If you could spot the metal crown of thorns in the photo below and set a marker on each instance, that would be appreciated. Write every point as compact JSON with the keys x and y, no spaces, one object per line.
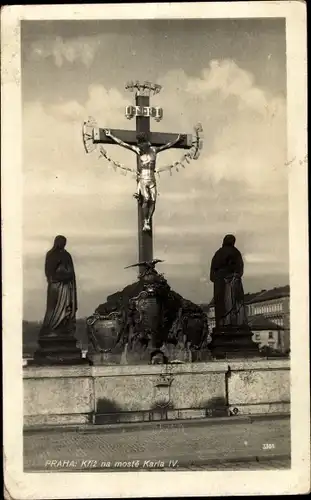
{"x":143,"y":87}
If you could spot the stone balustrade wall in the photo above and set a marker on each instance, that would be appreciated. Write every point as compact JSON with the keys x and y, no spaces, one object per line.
{"x":109,"y":394}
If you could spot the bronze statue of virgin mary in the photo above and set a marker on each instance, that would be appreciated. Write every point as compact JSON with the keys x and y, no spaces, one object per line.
{"x":62,"y":303}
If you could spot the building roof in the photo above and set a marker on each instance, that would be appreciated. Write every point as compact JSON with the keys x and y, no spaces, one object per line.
{"x":259,"y":322}
{"x":273,"y":293}
{"x":248,"y":297}
{"x":262,"y":296}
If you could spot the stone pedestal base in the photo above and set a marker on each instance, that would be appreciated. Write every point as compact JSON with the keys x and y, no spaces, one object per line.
{"x":149,"y":355}
{"x":58,"y":350}
{"x":143,"y":357}
{"x":106,"y":358}
{"x":177,"y":354}
{"x":233,"y":342}
{"x":202,"y":355}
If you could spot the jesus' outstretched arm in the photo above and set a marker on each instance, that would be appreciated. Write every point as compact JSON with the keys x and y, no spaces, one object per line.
{"x":168,"y":145}
{"x":121,"y":143}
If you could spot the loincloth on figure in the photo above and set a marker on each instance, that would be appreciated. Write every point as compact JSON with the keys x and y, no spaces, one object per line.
{"x":147,"y":185}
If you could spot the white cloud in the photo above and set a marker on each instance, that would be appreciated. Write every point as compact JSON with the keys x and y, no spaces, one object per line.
{"x":261,"y":258}
{"x":68,"y":111}
{"x":82,"y":49}
{"x":244,"y":126}
{"x":105,"y":105}
{"x":225,"y":76}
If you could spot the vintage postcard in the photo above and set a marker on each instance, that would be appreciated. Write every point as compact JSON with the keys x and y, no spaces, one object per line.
{"x":155,"y":262}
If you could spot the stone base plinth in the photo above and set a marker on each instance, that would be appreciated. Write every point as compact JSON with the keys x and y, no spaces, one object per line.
{"x":58,"y":350}
{"x":183,"y":355}
{"x":145,"y":356}
{"x":233,"y":342}
{"x":106,"y":358}
{"x":128,"y":357}
{"x":177,"y":354}
{"x":171,"y":354}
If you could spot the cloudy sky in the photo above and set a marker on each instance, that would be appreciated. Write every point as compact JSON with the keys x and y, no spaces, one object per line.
{"x":230,"y":75}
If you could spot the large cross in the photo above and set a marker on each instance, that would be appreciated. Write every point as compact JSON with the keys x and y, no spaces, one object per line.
{"x":142,"y":111}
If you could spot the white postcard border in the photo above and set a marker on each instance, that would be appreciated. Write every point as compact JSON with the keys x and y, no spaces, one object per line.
{"x":143,"y":484}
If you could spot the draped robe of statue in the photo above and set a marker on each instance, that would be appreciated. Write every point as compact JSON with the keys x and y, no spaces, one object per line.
{"x":62,"y":292}
{"x":226,"y":273}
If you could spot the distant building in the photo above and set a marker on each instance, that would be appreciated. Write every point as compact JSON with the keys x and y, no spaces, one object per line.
{"x":266,"y":333}
{"x":270,"y":304}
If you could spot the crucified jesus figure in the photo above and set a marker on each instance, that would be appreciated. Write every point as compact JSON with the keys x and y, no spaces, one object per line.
{"x":146,"y":169}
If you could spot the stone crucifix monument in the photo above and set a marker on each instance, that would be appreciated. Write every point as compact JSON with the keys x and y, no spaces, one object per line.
{"x":150,"y":313}
{"x":146,"y":145}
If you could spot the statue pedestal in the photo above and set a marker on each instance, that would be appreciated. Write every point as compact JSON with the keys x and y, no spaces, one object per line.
{"x":177,"y":353}
{"x":58,"y":350}
{"x":144,"y":356}
{"x":106,"y":358}
{"x":233,"y":342}
{"x":145,"y":318}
